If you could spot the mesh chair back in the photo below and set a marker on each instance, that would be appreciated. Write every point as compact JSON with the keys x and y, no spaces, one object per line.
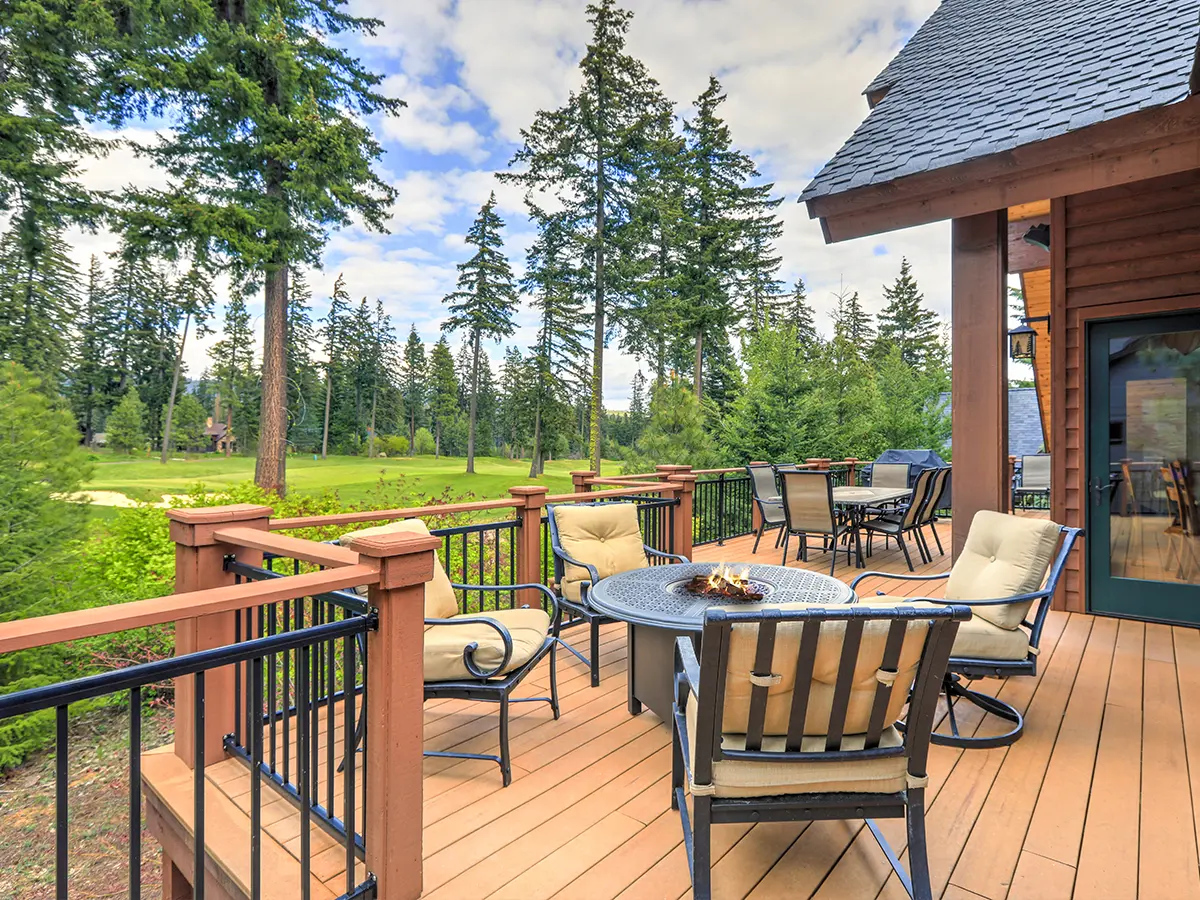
{"x":808,"y":501}
{"x":937,"y":490}
{"x":838,"y":675}
{"x":919,"y":499}
{"x":1035,"y":472}
{"x":763,"y":479}
{"x":889,"y":475}
{"x":1187,"y":502}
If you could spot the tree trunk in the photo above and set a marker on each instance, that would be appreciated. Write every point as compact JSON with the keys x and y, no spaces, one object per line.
{"x":437,"y":441}
{"x":699,"y":364}
{"x":412,"y":432}
{"x":598,"y":335}
{"x":535,"y":464}
{"x":174,"y":387}
{"x":328,"y":401}
{"x":474,"y":404}
{"x":371,"y":434}
{"x":270,"y":465}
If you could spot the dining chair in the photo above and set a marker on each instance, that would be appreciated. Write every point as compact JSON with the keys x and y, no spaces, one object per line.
{"x":808,"y":509}
{"x":790,"y":715}
{"x":905,"y":520}
{"x":1183,"y":535}
{"x":1007,"y":573}
{"x":766,"y":497}
{"x":1035,"y":477}
{"x":929,"y":516}
{"x":890,"y":475}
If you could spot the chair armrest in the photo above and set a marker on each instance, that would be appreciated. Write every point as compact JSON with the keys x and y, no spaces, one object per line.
{"x":561,"y":554}
{"x":854,"y":583}
{"x":549,"y":594}
{"x":1000,"y":601}
{"x":470,"y":648}
{"x":650,"y":551}
{"x":687,"y":667}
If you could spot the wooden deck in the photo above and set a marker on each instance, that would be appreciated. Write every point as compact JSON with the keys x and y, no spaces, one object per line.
{"x":1094,"y":802}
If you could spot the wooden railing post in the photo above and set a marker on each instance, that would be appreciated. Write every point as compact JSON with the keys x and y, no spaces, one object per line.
{"x":851,"y":467}
{"x":528,"y":553}
{"x":683,"y":513}
{"x":580,"y":481}
{"x":199,"y":564}
{"x":668,"y":472}
{"x":394,"y":699}
{"x":820,"y":463}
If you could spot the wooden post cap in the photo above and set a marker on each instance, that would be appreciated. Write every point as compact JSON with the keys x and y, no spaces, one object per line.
{"x":685,"y":480}
{"x":585,"y":473}
{"x":198,"y":527}
{"x":534,"y":495}
{"x":672,"y":467}
{"x":403,"y":558}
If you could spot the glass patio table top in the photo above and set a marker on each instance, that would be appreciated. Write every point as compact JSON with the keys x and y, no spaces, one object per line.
{"x":868,"y":496}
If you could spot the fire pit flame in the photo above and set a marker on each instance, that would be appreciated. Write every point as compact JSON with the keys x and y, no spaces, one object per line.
{"x":724,"y":581}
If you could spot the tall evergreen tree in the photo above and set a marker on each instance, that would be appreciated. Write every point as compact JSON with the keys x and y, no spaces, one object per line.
{"x":38,"y":300}
{"x":587,"y":155}
{"x":443,"y":392}
{"x":795,"y":310}
{"x":853,"y":323}
{"x":266,"y":147}
{"x":91,"y":377}
{"x":414,"y":385}
{"x":333,"y":328}
{"x":484,"y":302}
{"x":193,"y":298}
{"x":906,"y":323}
{"x":232,"y":359}
{"x":302,"y":378}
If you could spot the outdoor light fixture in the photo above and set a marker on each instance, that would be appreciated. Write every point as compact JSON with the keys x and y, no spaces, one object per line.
{"x":1039,"y":236}
{"x":1022,"y":339}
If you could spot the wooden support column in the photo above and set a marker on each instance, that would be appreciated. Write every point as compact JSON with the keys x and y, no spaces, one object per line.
{"x":199,"y":564}
{"x":529,"y":551}
{"x":683,"y":513}
{"x":394,"y":699}
{"x":979,"y":380}
{"x":581,"y":481}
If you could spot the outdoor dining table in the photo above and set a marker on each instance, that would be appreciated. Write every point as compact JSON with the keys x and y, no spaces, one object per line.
{"x":658,"y":608}
{"x":857,"y":500}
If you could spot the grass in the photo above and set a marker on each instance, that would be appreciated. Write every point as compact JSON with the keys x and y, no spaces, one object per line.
{"x":354,"y":478}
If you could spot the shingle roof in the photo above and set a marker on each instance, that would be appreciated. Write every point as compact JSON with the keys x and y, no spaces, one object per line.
{"x":984,"y":76}
{"x":1024,"y":421}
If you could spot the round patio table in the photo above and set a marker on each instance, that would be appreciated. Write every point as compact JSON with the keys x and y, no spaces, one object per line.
{"x":658,"y":608}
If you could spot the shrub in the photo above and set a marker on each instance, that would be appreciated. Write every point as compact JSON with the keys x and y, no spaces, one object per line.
{"x":126,"y":427}
{"x":395,"y":445}
{"x":425,"y":444}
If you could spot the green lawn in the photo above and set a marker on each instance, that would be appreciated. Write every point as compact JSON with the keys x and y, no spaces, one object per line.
{"x":354,"y":478}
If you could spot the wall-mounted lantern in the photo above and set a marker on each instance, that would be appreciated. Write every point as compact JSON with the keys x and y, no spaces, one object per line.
{"x":1022,"y":340}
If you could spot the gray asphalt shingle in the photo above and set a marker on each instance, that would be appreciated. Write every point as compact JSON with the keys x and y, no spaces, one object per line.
{"x":983,"y":76}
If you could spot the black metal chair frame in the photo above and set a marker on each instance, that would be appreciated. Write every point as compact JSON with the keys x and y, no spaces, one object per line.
{"x":885,"y":524}
{"x":582,"y":608}
{"x":762,"y":504}
{"x":840,"y":527}
{"x":960,"y":667}
{"x":705,"y":679}
{"x":937,"y":491}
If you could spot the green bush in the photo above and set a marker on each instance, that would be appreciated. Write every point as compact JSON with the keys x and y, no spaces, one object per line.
{"x":425,"y":444}
{"x":395,"y":445}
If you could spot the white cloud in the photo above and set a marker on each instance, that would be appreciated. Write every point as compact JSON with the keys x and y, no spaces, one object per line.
{"x":432,"y":120}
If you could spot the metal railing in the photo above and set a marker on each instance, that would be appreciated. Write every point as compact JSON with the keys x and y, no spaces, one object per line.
{"x":723,"y":507}
{"x":251,"y":657}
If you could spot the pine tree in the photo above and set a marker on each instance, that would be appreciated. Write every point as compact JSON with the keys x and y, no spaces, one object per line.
{"x":265,"y":148}
{"x":38,"y":299}
{"x":853,"y":323}
{"x":906,"y":323}
{"x":187,"y":423}
{"x":91,"y":377}
{"x":125,"y":429}
{"x":333,"y":327}
{"x":587,"y":156}
{"x":414,"y":385}
{"x":484,"y":302}
{"x":443,"y":392}
{"x":302,"y":378}
{"x":193,"y":297}
{"x":638,"y":411}
{"x":794,"y":309}
{"x":676,"y":431}
{"x":232,"y":368}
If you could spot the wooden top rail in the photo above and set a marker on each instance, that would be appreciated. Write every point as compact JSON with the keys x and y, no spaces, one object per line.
{"x":69,"y":626}
{"x":626,"y":482}
{"x":287,"y":546}
{"x":662,"y":487}
{"x":718,"y":471}
{"x":387,"y":515}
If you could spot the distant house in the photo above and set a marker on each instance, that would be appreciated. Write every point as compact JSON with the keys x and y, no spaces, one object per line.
{"x":221,"y":437}
{"x":1025,"y":436}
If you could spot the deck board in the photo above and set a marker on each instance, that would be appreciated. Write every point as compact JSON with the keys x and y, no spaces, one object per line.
{"x":1095,"y":801}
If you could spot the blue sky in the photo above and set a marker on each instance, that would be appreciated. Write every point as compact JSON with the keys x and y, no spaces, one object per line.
{"x":474,"y":72}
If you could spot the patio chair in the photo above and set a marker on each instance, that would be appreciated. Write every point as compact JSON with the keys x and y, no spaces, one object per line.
{"x":591,"y":541}
{"x":790,"y":715}
{"x":808,"y":509}
{"x":890,"y":475}
{"x":929,"y":516}
{"x":1001,"y":575}
{"x":766,"y":497}
{"x":1035,"y":478}
{"x":905,"y":520}
{"x":1183,"y":532}
{"x":481,"y":656}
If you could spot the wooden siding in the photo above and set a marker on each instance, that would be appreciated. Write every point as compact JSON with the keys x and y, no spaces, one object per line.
{"x":1036,"y":287}
{"x":1128,"y":250}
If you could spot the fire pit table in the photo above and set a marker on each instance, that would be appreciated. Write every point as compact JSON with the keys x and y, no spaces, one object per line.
{"x":659,"y":605}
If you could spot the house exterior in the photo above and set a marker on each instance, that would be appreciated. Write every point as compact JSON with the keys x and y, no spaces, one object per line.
{"x":1025,"y":435}
{"x":1080,"y":115}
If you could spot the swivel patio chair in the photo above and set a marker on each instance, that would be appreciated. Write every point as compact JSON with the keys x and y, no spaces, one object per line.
{"x":1035,"y":480}
{"x":790,"y":715}
{"x":591,"y":541}
{"x":766,"y":497}
{"x":808,"y":509}
{"x":1001,"y":575}
{"x":481,"y":656}
{"x":905,"y":520}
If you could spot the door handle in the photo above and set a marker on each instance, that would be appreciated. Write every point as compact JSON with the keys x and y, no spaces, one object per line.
{"x":1099,"y":486}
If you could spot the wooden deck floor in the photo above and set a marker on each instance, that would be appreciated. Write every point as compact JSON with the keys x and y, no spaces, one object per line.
{"x":1094,"y":802}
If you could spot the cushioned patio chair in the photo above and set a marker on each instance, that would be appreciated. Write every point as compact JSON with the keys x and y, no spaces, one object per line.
{"x":591,"y":541}
{"x":1002,"y":576}
{"x":766,"y":497}
{"x":1035,"y":479}
{"x":808,"y":509}
{"x":907,"y":519}
{"x":485,"y":655}
{"x":790,"y":715}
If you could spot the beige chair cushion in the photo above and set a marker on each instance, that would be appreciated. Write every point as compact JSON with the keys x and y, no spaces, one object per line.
{"x":444,"y":643}
{"x":742,"y":778}
{"x":1003,"y":556}
{"x":440,"y":602}
{"x":742,"y":651}
{"x":608,"y":536}
{"x":979,"y":639}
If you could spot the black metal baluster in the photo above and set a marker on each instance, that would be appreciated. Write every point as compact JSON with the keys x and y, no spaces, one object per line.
{"x":721,"y":509}
{"x":287,"y":698}
{"x":272,"y":627}
{"x":302,"y":764}
{"x":314,"y":711}
{"x":61,"y":774}
{"x":349,"y":677}
{"x":237,"y":678}
{"x":465,"y":599}
{"x":366,"y":658}
{"x":198,"y":786}
{"x":135,"y":793}
{"x":330,"y":682}
{"x":256,"y":764}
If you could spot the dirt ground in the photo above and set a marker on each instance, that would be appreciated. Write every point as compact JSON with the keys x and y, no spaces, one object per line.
{"x":98,"y":798}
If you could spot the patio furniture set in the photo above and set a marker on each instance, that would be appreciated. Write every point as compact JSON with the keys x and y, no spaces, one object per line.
{"x":801,"y":701}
